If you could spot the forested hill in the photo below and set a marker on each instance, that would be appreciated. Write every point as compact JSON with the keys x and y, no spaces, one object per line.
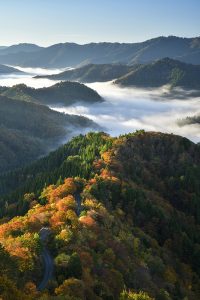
{"x":65,"y":93}
{"x":29,"y":130}
{"x":163,"y":72}
{"x":92,"y":73}
{"x":139,"y":223}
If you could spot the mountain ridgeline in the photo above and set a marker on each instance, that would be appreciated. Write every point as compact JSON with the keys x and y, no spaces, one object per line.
{"x":163,"y":72}
{"x":71,"y":54}
{"x":23,"y":47}
{"x":156,"y":74}
{"x":136,"y":234}
{"x":65,"y":93}
{"x":5,"y":70}
{"x":92,"y":73}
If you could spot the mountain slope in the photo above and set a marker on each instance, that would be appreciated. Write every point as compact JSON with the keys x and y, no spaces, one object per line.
{"x":92,"y":73}
{"x":29,"y":130}
{"x":162,"y":72}
{"x":138,"y":226}
{"x":70,"y":54}
{"x":61,"y":93}
{"x":9,"y":70}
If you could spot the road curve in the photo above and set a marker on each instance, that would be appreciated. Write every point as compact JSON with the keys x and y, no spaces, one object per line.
{"x":47,"y":261}
{"x":46,"y":257}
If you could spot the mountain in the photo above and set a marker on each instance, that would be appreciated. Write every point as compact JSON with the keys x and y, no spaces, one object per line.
{"x":61,"y":93}
{"x":29,"y":130}
{"x":92,"y":73}
{"x":71,"y":54}
{"x":165,"y":71}
{"x":5,"y":70}
{"x":122,"y":214}
{"x":23,"y":47}
{"x":162,"y":72}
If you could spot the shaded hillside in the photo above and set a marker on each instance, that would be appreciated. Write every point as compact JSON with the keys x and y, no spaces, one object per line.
{"x":29,"y":130}
{"x":5,"y":70}
{"x":162,"y":72}
{"x":71,"y":54}
{"x":17,"y":148}
{"x":138,"y":228}
{"x":61,"y":93}
{"x":92,"y":73}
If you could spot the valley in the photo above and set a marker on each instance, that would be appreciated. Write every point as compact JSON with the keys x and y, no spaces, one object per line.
{"x":149,"y":108}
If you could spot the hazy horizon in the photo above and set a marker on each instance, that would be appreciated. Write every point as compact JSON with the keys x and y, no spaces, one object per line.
{"x":99,"y":42}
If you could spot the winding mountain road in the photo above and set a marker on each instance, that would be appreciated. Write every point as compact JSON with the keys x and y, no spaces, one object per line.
{"x":79,"y":208}
{"x":46,"y":257}
{"x":47,"y":260}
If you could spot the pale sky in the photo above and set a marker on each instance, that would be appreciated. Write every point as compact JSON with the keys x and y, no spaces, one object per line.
{"x":47,"y":22}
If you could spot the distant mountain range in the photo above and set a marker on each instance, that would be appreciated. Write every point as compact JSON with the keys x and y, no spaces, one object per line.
{"x":71,"y":54}
{"x":23,"y":47}
{"x":61,"y":93}
{"x":162,"y":72}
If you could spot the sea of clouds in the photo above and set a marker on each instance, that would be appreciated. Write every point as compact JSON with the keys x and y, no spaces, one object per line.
{"x":128,"y":109}
{"x":124,"y":109}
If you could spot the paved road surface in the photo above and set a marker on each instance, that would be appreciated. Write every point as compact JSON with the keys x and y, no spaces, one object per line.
{"x":78,"y":202}
{"x":47,"y":260}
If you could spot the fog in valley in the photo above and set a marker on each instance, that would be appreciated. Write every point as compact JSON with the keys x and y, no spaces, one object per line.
{"x":40,"y":71}
{"x":129,"y":109}
{"x":28,"y":77}
{"x":124,"y":109}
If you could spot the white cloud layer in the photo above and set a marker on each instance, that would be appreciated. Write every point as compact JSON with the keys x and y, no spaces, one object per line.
{"x":128,"y":109}
{"x":124,"y":109}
